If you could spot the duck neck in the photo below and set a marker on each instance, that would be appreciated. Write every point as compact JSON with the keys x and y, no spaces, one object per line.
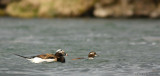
{"x":60,"y":57}
{"x":90,"y":56}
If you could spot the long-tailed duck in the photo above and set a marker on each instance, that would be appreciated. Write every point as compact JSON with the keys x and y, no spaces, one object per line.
{"x":58,"y":56}
{"x":91,"y":55}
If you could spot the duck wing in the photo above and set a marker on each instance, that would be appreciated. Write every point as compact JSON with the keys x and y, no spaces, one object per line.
{"x":46,"y":56}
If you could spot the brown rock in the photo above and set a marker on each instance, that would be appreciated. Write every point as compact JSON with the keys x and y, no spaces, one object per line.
{"x":76,"y":8}
{"x":24,"y":9}
{"x":119,"y":8}
{"x":143,"y":7}
{"x":73,"y":7}
{"x":49,"y":8}
{"x":2,"y":12}
{"x":156,"y":12}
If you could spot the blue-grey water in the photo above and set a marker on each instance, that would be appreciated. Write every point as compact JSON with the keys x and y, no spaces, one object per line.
{"x":126,"y":47}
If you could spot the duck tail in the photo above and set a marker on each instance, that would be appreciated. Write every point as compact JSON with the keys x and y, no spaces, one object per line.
{"x":78,"y":58}
{"x":22,"y":56}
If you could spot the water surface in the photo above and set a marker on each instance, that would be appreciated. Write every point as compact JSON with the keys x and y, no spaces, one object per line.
{"x":126,"y":47}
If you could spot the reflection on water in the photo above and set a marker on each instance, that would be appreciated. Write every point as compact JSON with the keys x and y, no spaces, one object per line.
{"x":126,"y":47}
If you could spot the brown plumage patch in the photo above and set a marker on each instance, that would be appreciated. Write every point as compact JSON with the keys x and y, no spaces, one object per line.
{"x":91,"y":55}
{"x":46,"y":56}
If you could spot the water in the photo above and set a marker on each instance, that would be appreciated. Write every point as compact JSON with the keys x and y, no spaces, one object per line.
{"x":126,"y":47}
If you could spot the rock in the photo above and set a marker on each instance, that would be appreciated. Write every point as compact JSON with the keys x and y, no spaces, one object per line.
{"x":143,"y":7}
{"x":73,"y":7}
{"x":119,"y":8}
{"x":49,"y":8}
{"x":103,"y":11}
{"x":46,"y":9}
{"x":77,"y":8}
{"x":24,"y":8}
{"x":107,"y":2}
{"x":156,"y":12}
{"x":2,"y":12}
{"x":127,"y":8}
{"x":4,"y":2}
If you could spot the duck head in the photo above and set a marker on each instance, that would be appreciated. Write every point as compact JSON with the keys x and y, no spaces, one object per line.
{"x":91,"y":55}
{"x":61,"y":52}
{"x":60,"y":55}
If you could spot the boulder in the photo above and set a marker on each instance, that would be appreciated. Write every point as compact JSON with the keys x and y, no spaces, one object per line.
{"x":127,"y":8}
{"x":2,"y":12}
{"x":143,"y":7}
{"x":156,"y":13}
{"x":77,"y":8}
{"x":49,"y":8}
{"x":24,"y":8}
{"x":116,"y":8}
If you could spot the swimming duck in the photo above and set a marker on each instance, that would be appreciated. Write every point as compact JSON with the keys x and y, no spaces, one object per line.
{"x":58,"y":56}
{"x":91,"y":55}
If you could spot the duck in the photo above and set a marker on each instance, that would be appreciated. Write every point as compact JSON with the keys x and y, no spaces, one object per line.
{"x":57,"y":57}
{"x":91,"y":55}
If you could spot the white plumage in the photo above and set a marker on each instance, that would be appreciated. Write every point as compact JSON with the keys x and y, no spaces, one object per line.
{"x":39,"y":60}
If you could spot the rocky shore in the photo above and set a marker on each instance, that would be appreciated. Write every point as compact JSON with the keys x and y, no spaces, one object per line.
{"x":79,"y":8}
